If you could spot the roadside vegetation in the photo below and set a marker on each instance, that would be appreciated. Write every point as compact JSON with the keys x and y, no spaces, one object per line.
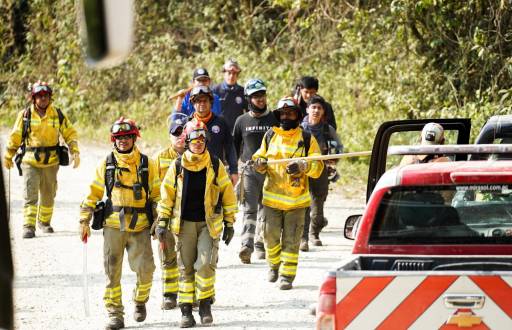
{"x":377,"y":60}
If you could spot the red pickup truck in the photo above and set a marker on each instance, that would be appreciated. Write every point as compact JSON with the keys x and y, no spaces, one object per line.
{"x":433,"y":248}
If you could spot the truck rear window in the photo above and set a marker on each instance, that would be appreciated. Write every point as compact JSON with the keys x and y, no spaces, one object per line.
{"x":458,"y":214}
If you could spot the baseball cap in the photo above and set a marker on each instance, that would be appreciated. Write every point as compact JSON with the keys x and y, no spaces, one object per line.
{"x":432,"y":134}
{"x":177,"y":120}
{"x":231,"y":65}
{"x":200,"y":73}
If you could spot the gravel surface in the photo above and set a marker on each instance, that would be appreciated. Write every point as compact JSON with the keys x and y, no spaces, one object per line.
{"x":48,"y":285}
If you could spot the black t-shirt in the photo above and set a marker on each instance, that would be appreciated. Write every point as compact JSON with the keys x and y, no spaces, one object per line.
{"x":194,"y":184}
{"x":329,"y":113}
{"x":249,"y":132}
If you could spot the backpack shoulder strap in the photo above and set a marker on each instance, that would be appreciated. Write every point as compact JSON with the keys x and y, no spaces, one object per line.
{"x":215,"y":163}
{"x":177,"y":164}
{"x":144,"y":173}
{"x":306,"y":136}
{"x":268,"y":136}
{"x":110,"y":173}
{"x":26,"y":124}
{"x":61,"y":116}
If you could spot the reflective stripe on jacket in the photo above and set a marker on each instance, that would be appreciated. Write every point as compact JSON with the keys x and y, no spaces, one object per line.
{"x":126,"y":174}
{"x":163,"y":160}
{"x":171,"y":193}
{"x":44,"y":132}
{"x":281,"y":190}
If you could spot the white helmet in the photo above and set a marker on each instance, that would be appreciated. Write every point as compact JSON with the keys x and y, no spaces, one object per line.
{"x":432,"y":134}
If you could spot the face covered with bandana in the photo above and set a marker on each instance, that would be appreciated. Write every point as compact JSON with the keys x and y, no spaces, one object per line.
{"x":288,"y":118}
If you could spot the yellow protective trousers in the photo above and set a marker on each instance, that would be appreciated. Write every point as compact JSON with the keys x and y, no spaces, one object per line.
{"x":40,"y":188}
{"x":282,"y":231}
{"x":167,"y":254}
{"x":140,"y":258}
{"x":197,"y":259}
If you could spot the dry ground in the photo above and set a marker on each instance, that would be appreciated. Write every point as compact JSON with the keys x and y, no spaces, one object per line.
{"x":48,"y":285}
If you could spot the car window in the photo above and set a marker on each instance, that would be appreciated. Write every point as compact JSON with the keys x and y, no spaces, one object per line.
{"x":456,"y":214}
{"x":412,"y":138}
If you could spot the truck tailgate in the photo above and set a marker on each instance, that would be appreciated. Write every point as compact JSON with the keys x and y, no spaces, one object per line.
{"x":423,"y":300}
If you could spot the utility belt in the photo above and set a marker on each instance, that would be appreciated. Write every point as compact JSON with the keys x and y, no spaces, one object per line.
{"x":62,"y":153}
{"x":104,"y":209}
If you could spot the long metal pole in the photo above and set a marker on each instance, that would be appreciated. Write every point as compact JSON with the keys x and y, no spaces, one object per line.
{"x":85,"y":283}
{"x":322,"y":157}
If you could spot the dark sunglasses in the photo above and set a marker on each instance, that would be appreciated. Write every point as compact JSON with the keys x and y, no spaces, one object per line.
{"x":178,"y":131}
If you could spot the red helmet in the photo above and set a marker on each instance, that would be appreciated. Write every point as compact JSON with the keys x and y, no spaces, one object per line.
{"x":195,"y":129}
{"x":40,"y":87}
{"x":122,"y":127}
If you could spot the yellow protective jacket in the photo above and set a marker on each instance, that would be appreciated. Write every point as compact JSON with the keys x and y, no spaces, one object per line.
{"x":163,"y":160}
{"x":172,"y":188}
{"x":126,"y":174}
{"x":44,"y":132}
{"x":280,"y":190}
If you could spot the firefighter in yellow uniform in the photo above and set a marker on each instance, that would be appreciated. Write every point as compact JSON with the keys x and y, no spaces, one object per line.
{"x":285,"y":191}
{"x":132,"y":186}
{"x":167,"y":252}
{"x":197,"y":202}
{"x":36,"y":133}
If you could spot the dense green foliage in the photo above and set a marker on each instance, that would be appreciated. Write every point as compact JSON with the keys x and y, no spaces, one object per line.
{"x":376,"y":60}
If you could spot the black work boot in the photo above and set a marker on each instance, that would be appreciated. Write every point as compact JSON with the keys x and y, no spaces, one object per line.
{"x":29,"y":232}
{"x":304,"y":246}
{"x":205,"y":311}
{"x":139,"y":314}
{"x":187,"y":319}
{"x":245,"y":255}
{"x":272,"y":275}
{"x":315,"y":239}
{"x":169,"y":301}
{"x":259,"y":250}
{"x":45,"y":227}
{"x":285,"y":283}
{"x":114,"y":323}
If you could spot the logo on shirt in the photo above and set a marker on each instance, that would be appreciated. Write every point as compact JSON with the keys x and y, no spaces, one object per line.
{"x":238,"y":100}
{"x":215,"y":129}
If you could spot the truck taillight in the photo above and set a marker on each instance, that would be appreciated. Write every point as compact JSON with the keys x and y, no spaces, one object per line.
{"x":326,"y":307}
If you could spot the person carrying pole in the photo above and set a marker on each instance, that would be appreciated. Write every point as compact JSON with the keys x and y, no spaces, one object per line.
{"x":286,"y":190}
{"x":167,"y":253}
{"x":198,"y":205}
{"x":130,"y":181}
{"x":34,"y":145}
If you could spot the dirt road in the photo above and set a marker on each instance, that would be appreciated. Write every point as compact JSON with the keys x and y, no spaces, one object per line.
{"x":48,"y":280}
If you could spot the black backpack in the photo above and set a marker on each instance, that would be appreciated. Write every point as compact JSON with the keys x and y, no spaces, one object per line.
{"x":104,"y":208}
{"x":25,"y":130}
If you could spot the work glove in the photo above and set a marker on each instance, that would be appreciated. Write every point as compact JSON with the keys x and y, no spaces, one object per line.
{"x":76,"y":160}
{"x":296,"y":167}
{"x":260,"y":164}
{"x":228,"y":233}
{"x":85,"y":231}
{"x":161,"y":229}
{"x":8,"y":162}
